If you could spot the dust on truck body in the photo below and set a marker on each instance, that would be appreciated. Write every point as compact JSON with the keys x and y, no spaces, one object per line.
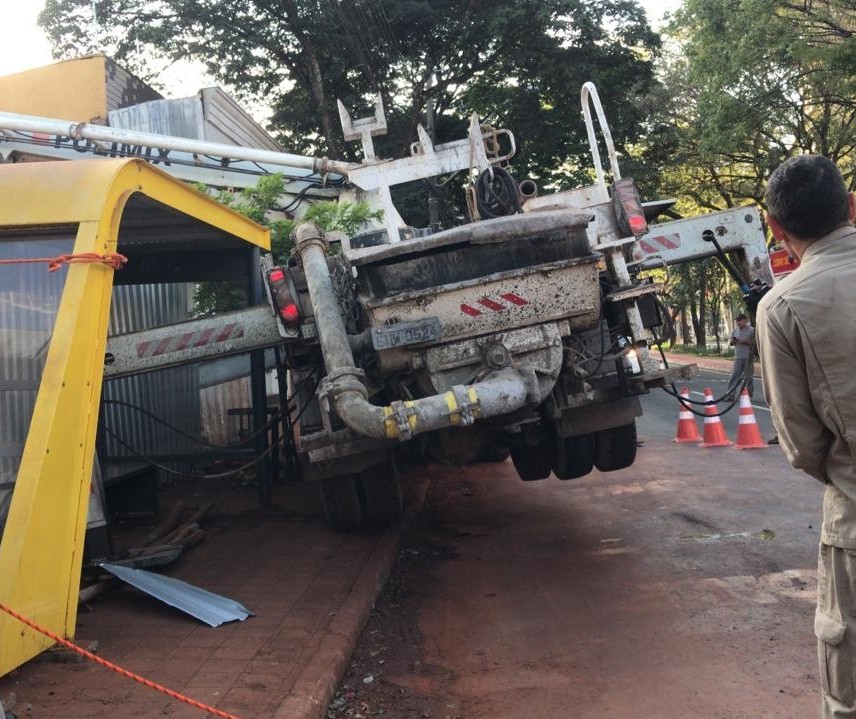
{"x":526,"y":334}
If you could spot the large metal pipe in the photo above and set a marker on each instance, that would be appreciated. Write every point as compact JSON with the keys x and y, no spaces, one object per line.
{"x":102,"y":133}
{"x":500,"y":393}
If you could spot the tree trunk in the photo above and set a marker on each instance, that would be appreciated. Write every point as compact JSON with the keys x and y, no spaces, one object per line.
{"x":698,"y":327}
{"x":685,"y":327}
{"x":316,"y":80}
{"x":715,"y":314}
{"x":701,"y":329}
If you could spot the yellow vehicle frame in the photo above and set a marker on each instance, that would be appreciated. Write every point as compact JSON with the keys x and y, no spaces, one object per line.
{"x":42,"y":545}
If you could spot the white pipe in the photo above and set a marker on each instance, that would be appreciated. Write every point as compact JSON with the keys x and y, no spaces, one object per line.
{"x":588,"y":95}
{"x":102,"y":133}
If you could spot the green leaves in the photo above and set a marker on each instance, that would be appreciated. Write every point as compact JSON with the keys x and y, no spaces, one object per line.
{"x":347,"y":217}
{"x":260,"y":203}
{"x":519,"y":63}
{"x":759,"y":81}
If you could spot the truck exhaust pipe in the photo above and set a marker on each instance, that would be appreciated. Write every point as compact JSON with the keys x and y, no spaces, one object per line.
{"x":500,"y":393}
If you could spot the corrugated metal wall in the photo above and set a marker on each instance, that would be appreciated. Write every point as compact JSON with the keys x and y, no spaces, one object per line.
{"x":172,"y":395}
{"x":178,"y":118}
{"x":210,"y":115}
{"x":226,"y":121}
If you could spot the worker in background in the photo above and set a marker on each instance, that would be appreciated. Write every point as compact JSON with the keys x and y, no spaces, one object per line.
{"x":807,"y":340}
{"x":743,"y":341}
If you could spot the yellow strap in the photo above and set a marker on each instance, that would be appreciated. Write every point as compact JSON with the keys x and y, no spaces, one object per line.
{"x":392,"y":425}
{"x":452,"y":404}
{"x":474,"y":399}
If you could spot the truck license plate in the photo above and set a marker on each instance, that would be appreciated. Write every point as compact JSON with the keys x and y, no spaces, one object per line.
{"x":406,"y":333}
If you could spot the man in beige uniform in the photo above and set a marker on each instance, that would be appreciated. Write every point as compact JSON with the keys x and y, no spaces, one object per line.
{"x":806,"y":334}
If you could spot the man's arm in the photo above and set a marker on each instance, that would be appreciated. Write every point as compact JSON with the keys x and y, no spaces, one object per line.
{"x":802,"y":435}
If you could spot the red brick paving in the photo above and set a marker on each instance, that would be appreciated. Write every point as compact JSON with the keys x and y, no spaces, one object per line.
{"x":281,"y":563}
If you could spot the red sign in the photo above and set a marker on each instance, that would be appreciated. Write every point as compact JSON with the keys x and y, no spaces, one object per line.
{"x":782,"y":263}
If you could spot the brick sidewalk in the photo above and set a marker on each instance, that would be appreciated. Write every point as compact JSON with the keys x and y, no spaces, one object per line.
{"x":310,"y":589}
{"x":718,"y":364}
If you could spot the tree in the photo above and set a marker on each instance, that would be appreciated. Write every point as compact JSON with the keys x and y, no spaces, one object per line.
{"x":519,"y":63}
{"x":746,"y":85}
{"x":699,"y":290}
{"x":756,"y":82}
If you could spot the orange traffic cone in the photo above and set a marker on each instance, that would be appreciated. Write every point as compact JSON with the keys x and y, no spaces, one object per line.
{"x":748,"y":434}
{"x":714,"y":432}
{"x":687,"y":428}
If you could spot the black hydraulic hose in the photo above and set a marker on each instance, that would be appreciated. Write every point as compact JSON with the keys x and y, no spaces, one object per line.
{"x":497,"y":194}
{"x":600,"y":322}
{"x":708,"y":236}
{"x":686,"y":402}
{"x":221,"y":475}
{"x":274,"y":418}
{"x":264,"y":428}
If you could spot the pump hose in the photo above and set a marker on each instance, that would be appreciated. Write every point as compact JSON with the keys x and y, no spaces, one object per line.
{"x":497,"y":195}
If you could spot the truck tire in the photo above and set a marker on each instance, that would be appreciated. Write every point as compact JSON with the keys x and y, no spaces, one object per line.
{"x":531,"y":461}
{"x":341,"y":502}
{"x":380,"y":491}
{"x":572,"y":457}
{"x":615,"y":448}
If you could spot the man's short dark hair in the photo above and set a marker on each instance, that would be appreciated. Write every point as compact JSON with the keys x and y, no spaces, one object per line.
{"x":808,"y":197}
{"x":741,"y":316}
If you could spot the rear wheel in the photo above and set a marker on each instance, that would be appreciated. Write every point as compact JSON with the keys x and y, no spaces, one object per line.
{"x":615,"y":448}
{"x":341,"y":502}
{"x":572,"y":457}
{"x":381,"y":493}
{"x":531,"y":461}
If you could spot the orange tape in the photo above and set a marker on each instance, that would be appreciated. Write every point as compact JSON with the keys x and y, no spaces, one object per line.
{"x":111,"y":259}
{"x":114,"y":667}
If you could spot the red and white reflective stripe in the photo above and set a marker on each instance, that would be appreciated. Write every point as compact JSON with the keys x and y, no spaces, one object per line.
{"x":746,"y":416}
{"x":652,"y":245}
{"x":177,"y":343}
{"x":711,"y":415}
{"x":487,"y":303}
{"x":684,"y":412}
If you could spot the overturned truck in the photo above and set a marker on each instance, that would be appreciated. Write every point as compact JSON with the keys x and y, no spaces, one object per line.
{"x":528,"y":331}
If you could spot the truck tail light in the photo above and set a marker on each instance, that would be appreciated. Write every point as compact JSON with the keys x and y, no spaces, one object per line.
{"x":286,"y":305}
{"x":628,"y":208}
{"x":290,"y":314}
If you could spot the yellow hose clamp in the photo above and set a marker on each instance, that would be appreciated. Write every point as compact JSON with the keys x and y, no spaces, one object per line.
{"x":468,"y":404}
{"x":404,"y":416}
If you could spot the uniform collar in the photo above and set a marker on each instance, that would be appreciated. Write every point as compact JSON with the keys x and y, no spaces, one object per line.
{"x":826,"y":241}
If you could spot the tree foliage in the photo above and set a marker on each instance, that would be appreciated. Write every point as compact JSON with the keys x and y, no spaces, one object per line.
{"x":519,"y":63}
{"x":756,"y":82}
{"x":258,"y":203}
{"x":747,"y":84}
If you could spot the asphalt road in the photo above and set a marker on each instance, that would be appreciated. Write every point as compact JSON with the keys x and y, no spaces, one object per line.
{"x":682,"y":586}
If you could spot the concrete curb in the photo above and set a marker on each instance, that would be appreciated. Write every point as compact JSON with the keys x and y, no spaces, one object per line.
{"x":718,"y":364}
{"x":316,"y":685}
